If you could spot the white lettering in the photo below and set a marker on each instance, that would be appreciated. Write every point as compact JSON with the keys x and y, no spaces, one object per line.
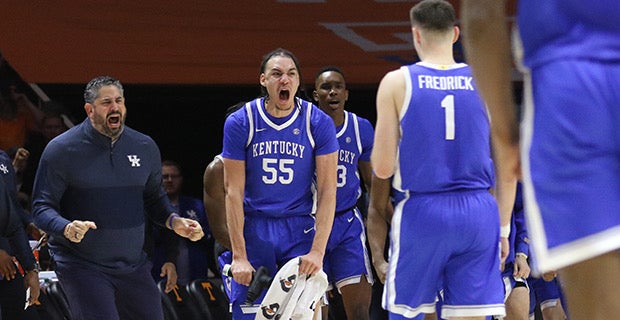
{"x":346,"y":156}
{"x":278,"y":147}
{"x":445,"y":83}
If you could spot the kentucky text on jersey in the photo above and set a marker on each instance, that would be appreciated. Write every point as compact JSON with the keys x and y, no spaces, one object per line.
{"x":346,"y":156}
{"x":445,"y":83}
{"x":279,"y":147}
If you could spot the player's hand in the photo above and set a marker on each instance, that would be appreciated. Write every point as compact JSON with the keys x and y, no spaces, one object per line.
{"x":187,"y":228}
{"x":21,"y":159}
{"x":169,"y":270}
{"x":242,"y":271}
{"x":521,"y":267}
{"x":7,"y":267}
{"x":548,"y":276}
{"x":76,"y":230}
{"x":36,"y":233}
{"x":505,"y":249}
{"x":31,"y":281}
{"x":381,"y":268}
{"x":311,"y":263}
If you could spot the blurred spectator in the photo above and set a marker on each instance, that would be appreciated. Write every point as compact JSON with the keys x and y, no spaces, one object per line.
{"x":19,"y":157}
{"x":18,"y":117}
{"x":53,"y":123}
{"x":194,"y":259}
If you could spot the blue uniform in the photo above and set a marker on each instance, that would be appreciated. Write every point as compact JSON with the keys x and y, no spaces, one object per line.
{"x":518,"y":240}
{"x":279,"y":155}
{"x":84,"y":176}
{"x":546,"y":294}
{"x":192,"y":258}
{"x":570,"y":140}
{"x":13,"y":241}
{"x":346,"y":256}
{"x":18,"y":244}
{"x":445,"y":231}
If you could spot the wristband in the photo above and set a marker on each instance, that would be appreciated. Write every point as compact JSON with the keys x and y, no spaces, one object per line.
{"x":504,"y":231}
{"x":35,"y":267}
{"x":172,"y":216}
{"x":521,"y":254}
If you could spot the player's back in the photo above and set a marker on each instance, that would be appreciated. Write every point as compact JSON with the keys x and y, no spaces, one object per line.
{"x":445,"y":132}
{"x":560,"y":29}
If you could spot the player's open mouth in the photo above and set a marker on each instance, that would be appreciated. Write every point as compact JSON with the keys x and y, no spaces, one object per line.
{"x":284,"y":94}
{"x":334,"y":103}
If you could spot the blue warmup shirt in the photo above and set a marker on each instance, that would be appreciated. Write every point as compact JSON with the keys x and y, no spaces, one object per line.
{"x":8,"y":174}
{"x":13,"y":238}
{"x":84,"y":176}
{"x":17,"y":243}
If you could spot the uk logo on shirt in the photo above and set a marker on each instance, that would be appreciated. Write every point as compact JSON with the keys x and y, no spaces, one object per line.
{"x":191,"y":214}
{"x":134,"y":160}
{"x":4,"y":168}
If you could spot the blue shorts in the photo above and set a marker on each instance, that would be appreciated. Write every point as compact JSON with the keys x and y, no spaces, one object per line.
{"x":446,"y":241}
{"x":346,"y":257}
{"x":271,"y":242}
{"x":225,"y":258}
{"x":510,"y":282}
{"x":545,"y":293}
{"x":571,"y":162}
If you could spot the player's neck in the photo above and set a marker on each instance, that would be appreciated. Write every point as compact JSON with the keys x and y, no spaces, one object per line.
{"x":174,"y":199}
{"x":278,"y":111}
{"x":439,"y":56}
{"x":338,"y":117}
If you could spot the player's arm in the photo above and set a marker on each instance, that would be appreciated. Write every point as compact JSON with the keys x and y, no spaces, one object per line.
{"x":365,"y":170}
{"x":521,"y":245}
{"x":380,"y":213}
{"x":389,"y":101}
{"x":326,"y":172}
{"x":234,"y":182}
{"x":488,"y":52}
{"x":214,"y":198}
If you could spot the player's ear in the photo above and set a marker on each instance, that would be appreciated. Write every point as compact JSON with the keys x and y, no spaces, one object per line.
{"x":89,"y":108}
{"x":457,"y":32}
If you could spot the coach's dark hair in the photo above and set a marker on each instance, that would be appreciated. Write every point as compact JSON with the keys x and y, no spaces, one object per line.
{"x":92,"y":88}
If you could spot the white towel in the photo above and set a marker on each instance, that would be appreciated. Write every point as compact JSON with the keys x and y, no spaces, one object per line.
{"x":291,"y":296}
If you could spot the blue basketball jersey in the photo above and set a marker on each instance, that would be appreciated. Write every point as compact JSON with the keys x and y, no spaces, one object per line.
{"x":279,"y":156}
{"x":576,"y":29}
{"x":445,"y":132}
{"x":355,"y":137}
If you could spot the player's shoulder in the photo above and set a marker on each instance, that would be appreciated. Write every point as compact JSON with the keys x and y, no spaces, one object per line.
{"x":361,"y":120}
{"x":216,"y":164}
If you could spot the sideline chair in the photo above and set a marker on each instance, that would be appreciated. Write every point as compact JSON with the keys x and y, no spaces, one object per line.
{"x":210,"y":298}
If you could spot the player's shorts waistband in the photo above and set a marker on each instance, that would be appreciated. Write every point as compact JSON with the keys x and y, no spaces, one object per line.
{"x":446,"y":193}
{"x":346,"y":210}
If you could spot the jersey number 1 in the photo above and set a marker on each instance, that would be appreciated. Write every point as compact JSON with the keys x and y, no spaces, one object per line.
{"x":448,"y":104}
